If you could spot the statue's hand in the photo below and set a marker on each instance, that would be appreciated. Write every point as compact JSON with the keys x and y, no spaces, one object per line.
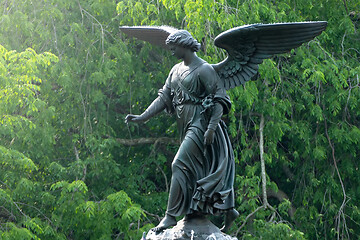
{"x":133,"y":118}
{"x":209,"y":137}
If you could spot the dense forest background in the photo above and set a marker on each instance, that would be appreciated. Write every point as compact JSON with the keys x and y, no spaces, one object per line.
{"x":72,"y":169}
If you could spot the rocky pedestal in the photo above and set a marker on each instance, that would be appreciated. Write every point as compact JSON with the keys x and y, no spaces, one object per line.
{"x":199,"y":228}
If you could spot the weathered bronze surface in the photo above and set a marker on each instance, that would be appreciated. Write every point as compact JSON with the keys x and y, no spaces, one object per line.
{"x":195,"y":91}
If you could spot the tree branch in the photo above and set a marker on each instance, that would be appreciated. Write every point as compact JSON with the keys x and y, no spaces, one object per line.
{"x":247,"y":218}
{"x":153,"y":152}
{"x":343,"y":204}
{"x":281,"y":195}
{"x":141,"y":141}
{"x":346,"y":8}
{"x":265,"y":204}
{"x":263,"y":172}
{"x":288,"y":172}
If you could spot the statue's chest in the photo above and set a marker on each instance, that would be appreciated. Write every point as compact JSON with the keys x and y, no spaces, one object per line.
{"x":186,"y":78}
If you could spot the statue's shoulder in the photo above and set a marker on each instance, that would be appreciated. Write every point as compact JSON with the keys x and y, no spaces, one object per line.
{"x":206,"y":68}
{"x":174,"y":68}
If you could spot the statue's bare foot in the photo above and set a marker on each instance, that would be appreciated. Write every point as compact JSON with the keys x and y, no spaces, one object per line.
{"x":231,"y":215}
{"x":166,"y":222}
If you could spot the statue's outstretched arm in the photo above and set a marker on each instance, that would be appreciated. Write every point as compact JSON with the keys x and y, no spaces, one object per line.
{"x":155,"y":107}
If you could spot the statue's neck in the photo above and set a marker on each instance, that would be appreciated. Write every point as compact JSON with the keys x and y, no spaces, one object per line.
{"x":190,"y":58}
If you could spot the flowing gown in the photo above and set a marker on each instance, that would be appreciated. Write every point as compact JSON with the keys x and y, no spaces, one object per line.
{"x":202,"y":176}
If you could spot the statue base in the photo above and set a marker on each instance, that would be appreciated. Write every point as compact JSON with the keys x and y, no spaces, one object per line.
{"x":198,"y":228}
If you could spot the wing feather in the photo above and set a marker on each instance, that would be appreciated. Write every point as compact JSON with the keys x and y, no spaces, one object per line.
{"x":249,"y":45}
{"x":246,"y":76}
{"x":227,"y":84}
{"x":241,"y":78}
{"x":236,"y":80}
{"x":255,"y":61}
{"x":249,"y":70}
{"x":153,"y":34}
{"x":253,"y":66}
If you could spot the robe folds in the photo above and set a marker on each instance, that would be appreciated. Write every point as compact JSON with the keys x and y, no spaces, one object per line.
{"x":202,"y":175}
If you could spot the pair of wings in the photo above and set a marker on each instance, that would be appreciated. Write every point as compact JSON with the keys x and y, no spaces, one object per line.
{"x":247,"y":46}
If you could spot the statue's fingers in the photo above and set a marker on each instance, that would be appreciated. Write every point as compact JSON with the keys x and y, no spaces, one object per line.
{"x":129,"y":118}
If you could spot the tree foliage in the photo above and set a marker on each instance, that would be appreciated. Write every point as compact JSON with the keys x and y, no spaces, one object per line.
{"x":68,"y":77}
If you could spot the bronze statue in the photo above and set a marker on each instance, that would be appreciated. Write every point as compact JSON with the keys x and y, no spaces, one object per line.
{"x":195,"y":91}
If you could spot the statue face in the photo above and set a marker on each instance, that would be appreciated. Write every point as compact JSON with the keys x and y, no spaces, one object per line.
{"x":177,"y":51}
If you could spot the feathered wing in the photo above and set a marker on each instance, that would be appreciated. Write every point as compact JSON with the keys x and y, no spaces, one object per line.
{"x":153,"y":34}
{"x":247,"y":46}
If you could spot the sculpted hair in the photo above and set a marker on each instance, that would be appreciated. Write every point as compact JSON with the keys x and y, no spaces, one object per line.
{"x":184,"y":39}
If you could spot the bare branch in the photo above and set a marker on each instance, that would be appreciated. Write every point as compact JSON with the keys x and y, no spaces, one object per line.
{"x":341,"y":209}
{"x":82,"y":10}
{"x":281,"y":196}
{"x":247,"y":218}
{"x":346,"y":8}
{"x":153,"y":152}
{"x":141,"y":141}
{"x":265,"y":204}
{"x":37,"y":209}
{"x":263,"y":173}
{"x":288,"y":172}
{"x":152,"y":215}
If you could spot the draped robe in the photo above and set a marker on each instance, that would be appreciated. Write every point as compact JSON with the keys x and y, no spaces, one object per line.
{"x":202,"y":175}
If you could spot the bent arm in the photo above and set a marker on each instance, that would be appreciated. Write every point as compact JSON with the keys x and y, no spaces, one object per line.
{"x":155,"y":107}
{"x":209,"y":79}
{"x":162,"y":102}
{"x":216,"y":114}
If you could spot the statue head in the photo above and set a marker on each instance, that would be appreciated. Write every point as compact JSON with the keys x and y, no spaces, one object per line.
{"x":183,"y":39}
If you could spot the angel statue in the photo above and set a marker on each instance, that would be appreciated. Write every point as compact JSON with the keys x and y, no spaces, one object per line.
{"x":203,"y":169}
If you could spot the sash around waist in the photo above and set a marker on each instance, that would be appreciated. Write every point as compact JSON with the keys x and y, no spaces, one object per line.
{"x":187,"y":102}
